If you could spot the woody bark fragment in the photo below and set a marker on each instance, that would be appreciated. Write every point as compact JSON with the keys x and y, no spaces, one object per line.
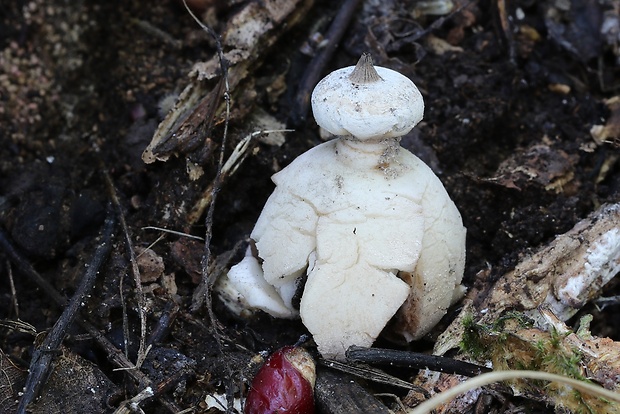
{"x":246,"y":38}
{"x":564,"y":275}
{"x":557,"y":280}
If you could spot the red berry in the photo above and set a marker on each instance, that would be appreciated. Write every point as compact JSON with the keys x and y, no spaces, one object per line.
{"x":284,"y":384}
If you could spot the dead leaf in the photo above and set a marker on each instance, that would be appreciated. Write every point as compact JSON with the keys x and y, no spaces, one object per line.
{"x":576,"y":27}
{"x":610,"y":132}
{"x":151,"y":265}
{"x":539,"y":164}
{"x":75,"y":386}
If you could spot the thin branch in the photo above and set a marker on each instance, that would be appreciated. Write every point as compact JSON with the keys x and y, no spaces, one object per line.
{"x":43,"y":356}
{"x":134,"y":270}
{"x":236,"y":158}
{"x":370,"y":374}
{"x":218,"y":175}
{"x":121,"y":289}
{"x":176,"y":233}
{"x":314,"y":70}
{"x":13,"y":291}
{"x":415,"y":360}
{"x":115,"y":357}
{"x":206,"y":284}
{"x":164,"y":323}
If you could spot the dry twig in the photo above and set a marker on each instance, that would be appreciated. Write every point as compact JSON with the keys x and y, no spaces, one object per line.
{"x":42,"y":357}
{"x":142,"y":350}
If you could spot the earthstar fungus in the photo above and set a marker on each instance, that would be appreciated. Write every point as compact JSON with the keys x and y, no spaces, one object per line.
{"x":366,"y":222}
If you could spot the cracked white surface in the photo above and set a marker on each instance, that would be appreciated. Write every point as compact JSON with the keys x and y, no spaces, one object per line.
{"x":352,"y":227}
{"x":369,"y":224}
{"x":389,"y":107}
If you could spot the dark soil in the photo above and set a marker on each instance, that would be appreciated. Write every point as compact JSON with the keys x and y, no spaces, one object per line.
{"x":83,"y":85}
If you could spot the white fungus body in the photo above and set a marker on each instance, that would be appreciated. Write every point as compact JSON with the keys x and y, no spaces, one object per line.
{"x":337,"y":216}
{"x":367,"y":110}
{"x":371,"y":227}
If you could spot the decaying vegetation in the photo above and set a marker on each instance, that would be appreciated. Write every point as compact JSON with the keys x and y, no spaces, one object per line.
{"x":116,"y":115}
